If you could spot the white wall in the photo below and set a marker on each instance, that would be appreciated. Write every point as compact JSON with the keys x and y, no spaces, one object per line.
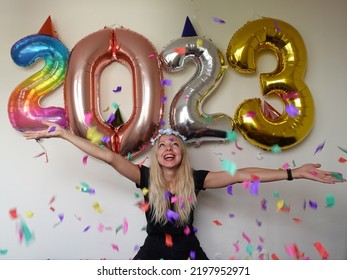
{"x":28,"y":183}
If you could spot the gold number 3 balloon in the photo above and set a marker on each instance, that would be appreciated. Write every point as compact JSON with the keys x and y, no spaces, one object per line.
{"x":285,"y":82}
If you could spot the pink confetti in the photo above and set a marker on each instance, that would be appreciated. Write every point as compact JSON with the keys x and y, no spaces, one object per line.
{"x":237,"y":146}
{"x":251,"y":114}
{"x":152,"y":55}
{"x":115,"y":247}
{"x":187,"y":230}
{"x":85,"y":160}
{"x":246,"y":237}
{"x":236,"y":246}
{"x":101,"y":227}
{"x":88,"y":118}
{"x":125,"y":226}
{"x":290,"y":95}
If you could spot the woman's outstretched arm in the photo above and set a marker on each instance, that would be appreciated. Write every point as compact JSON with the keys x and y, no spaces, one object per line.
{"x":307,"y":171}
{"x":118,"y":162}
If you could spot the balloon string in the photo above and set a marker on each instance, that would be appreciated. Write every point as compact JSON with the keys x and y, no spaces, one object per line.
{"x":44,"y":150}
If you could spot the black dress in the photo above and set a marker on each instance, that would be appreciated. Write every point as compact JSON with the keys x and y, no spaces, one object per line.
{"x":184,"y":243}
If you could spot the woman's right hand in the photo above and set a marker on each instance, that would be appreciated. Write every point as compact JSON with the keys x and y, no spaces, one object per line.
{"x":53,"y":130}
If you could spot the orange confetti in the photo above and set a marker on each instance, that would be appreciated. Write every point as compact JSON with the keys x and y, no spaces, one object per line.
{"x":218,"y":223}
{"x":168,"y":240}
{"x":274,"y":256}
{"x":321,"y":250}
{"x":342,"y":160}
{"x":297,"y":220}
{"x":180,"y":50}
{"x":13,"y":213}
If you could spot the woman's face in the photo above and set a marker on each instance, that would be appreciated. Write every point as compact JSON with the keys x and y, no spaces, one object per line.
{"x":169,"y":151}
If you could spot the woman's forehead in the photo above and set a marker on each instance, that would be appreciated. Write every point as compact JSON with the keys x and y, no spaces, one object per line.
{"x":168,"y":138}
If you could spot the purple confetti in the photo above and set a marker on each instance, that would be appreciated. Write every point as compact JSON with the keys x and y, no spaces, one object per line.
{"x":52,"y":129}
{"x":218,"y":20}
{"x":171,"y":216}
{"x":86,"y":229}
{"x":163,"y":99}
{"x":292,"y":110}
{"x":263,"y":204}
{"x":118,"y":89}
{"x":165,"y":82}
{"x":61,"y":217}
{"x":313,"y":204}
{"x":254,"y":187}
{"x":230,"y":189}
{"x":192,"y":255}
{"x":319,"y":148}
{"x":111,"y":118}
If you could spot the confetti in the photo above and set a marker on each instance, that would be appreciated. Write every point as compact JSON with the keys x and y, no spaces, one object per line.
{"x":29,"y":214}
{"x":274,"y":256}
{"x":337,"y":175}
{"x":52,"y":129}
{"x":152,"y":55}
{"x":237,"y":146}
{"x":218,"y":20}
{"x":118,"y":89}
{"x":171,"y":216}
{"x":192,"y":255}
{"x":250,"y":114}
{"x":246,"y":237}
{"x":297,"y":220}
{"x":217,"y":223}
{"x":230,"y":189}
{"x":165,"y":82}
{"x":142,"y":162}
{"x":321,"y":250}
{"x":119,"y":228}
{"x":115,"y":247}
{"x":86,"y":228}
{"x":13,"y":213}
{"x":3,"y":252}
{"x":329,"y":200}
{"x":312,"y":204}
{"x":125,"y":226}
{"x":254,"y":188}
{"x":319,"y":148}
{"x":229,"y":166}
{"x":290,"y":95}
{"x":276,"y":149}
{"x":263,"y":204}
{"x":231,"y":136}
{"x":249,"y":249}
{"x":342,"y":160}
{"x":163,"y":99}
{"x":85,"y":160}
{"x":168,"y":240}
{"x":87,"y":118}
{"x":61,"y":217}
{"x":186,"y":230}
{"x":180,"y":50}
{"x":25,"y":231}
{"x":97,"y":207}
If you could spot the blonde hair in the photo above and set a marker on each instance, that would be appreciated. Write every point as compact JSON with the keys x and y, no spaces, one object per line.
{"x":184,"y":188}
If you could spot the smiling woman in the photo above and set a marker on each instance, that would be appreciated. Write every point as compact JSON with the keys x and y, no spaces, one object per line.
{"x":170,"y":188}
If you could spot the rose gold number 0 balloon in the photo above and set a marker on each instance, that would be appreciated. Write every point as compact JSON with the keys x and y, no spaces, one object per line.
{"x":87,"y":60}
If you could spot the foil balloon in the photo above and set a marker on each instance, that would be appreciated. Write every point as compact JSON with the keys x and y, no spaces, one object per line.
{"x":286,"y":83}
{"x":24,"y":109}
{"x":87,"y":60}
{"x":186,"y":114}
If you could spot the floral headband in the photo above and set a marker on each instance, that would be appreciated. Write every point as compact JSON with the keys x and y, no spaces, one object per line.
{"x":167,"y":131}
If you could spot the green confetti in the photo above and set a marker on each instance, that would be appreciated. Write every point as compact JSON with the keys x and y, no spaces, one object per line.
{"x":330,"y":200}
{"x":119,"y":228}
{"x":276,"y":194}
{"x":276,"y":149}
{"x":337,"y":175}
{"x":229,"y":166}
{"x":231,"y":136}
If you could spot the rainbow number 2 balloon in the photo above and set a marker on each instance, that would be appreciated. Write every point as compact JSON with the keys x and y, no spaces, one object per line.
{"x":24,"y":110}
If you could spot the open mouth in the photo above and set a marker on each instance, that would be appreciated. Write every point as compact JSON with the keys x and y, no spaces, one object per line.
{"x":169,"y":157}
